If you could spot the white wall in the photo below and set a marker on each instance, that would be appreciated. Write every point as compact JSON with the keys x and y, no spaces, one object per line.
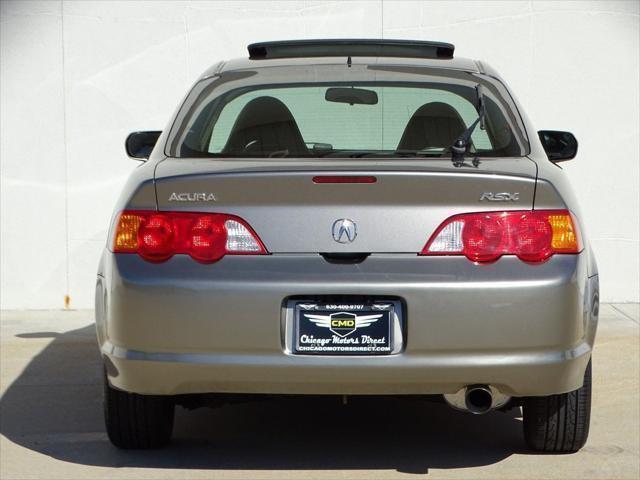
{"x":76,"y":77}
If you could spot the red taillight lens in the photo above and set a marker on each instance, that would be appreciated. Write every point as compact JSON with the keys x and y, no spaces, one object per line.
{"x":206,"y":237}
{"x":532,"y":237}
{"x":484,"y":237}
{"x":156,"y":238}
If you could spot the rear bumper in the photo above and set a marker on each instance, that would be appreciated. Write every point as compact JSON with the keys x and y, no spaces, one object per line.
{"x":515,"y":374}
{"x":182,"y":327}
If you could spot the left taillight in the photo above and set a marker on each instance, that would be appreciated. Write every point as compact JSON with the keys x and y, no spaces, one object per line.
{"x":205,"y":237}
{"x":532,"y":235}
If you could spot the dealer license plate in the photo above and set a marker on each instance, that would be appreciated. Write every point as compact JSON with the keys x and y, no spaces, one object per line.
{"x":343,"y":329}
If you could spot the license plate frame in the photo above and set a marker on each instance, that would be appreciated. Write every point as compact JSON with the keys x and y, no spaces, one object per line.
{"x":375,"y":327}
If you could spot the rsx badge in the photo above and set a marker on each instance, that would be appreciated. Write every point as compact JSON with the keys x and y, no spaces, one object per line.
{"x":500,"y":197}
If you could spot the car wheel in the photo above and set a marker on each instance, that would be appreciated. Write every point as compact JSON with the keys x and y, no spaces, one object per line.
{"x":137,"y":421}
{"x":559,"y":423}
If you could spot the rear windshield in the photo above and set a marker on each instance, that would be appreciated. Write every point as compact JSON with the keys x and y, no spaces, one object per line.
{"x":345,"y":120}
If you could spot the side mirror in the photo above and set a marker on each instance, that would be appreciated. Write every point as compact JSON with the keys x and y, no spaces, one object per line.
{"x":560,"y":146}
{"x":140,"y":144}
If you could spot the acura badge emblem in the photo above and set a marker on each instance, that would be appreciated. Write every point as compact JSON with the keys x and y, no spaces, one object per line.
{"x":344,"y":230}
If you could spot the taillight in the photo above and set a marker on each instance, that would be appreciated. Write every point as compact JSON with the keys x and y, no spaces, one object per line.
{"x":206,"y":237}
{"x":532,"y":235}
{"x":156,"y":237}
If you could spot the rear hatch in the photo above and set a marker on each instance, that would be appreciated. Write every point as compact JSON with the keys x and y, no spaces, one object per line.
{"x":292,"y":214}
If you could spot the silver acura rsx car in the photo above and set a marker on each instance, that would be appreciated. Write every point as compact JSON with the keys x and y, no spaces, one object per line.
{"x":348,"y":217}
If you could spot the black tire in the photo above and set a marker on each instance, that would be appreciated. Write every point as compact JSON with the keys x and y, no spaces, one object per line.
{"x":558,"y":423}
{"x":137,"y":421}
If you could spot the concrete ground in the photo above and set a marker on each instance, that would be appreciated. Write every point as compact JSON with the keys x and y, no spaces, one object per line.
{"x":51,"y":422}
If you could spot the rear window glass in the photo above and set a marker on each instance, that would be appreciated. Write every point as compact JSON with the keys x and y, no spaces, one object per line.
{"x":345,"y":120}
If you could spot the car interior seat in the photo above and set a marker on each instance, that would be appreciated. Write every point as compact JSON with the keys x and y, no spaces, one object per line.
{"x":265,"y":126}
{"x":434,"y":124}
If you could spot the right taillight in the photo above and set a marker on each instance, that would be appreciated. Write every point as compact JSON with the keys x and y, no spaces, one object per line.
{"x":532,"y":235}
{"x":206,"y":237}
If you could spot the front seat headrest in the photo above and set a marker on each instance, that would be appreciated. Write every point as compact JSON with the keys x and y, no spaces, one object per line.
{"x":265,"y":125}
{"x":434,"y":124}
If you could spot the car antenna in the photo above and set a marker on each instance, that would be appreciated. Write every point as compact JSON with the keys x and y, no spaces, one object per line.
{"x":460,"y":146}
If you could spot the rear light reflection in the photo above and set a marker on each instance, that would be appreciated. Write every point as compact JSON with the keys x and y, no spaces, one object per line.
{"x":532,"y":235}
{"x":205,"y":237}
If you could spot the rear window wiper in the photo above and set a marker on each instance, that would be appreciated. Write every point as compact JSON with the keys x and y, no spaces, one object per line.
{"x":419,"y":153}
{"x":461,"y":146}
{"x":396,"y":153}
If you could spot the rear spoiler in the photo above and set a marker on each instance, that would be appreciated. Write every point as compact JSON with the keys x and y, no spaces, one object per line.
{"x":350,"y":48}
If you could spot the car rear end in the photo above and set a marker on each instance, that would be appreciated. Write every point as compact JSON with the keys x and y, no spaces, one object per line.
{"x":271,"y":265}
{"x":233,"y":325}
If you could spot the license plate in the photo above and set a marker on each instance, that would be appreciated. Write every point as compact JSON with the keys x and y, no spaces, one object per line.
{"x":343,"y":329}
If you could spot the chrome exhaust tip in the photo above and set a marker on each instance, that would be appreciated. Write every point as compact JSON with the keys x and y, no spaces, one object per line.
{"x":477,"y":399}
